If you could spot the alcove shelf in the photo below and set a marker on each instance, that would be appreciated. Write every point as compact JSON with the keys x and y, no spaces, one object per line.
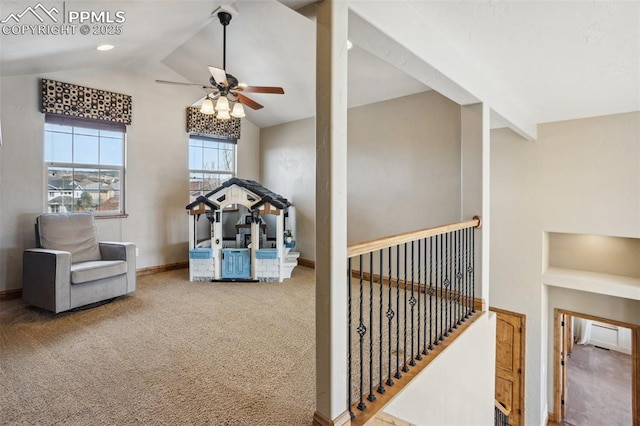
{"x":593,"y":282}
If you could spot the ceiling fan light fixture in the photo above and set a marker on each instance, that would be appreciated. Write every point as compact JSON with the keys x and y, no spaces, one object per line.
{"x":207,"y":107}
{"x":222,"y":104}
{"x":223,"y":115}
{"x":238,"y":111}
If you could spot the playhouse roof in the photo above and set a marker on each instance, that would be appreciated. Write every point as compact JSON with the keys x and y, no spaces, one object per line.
{"x":266,"y":196}
{"x":201,"y":200}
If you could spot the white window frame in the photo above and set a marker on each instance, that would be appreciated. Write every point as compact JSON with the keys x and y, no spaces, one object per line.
{"x":211,"y":139}
{"x":121,"y":170}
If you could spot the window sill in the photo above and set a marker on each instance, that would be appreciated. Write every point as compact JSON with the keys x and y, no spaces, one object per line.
{"x":115,"y":216}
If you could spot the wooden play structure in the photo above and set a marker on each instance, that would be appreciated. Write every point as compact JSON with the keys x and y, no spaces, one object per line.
{"x":249,"y":256}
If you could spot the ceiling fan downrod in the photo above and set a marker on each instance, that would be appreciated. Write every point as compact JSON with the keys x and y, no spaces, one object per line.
{"x":225,"y":18}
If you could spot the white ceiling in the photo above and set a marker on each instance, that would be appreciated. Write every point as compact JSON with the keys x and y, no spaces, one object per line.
{"x":558,"y":60}
{"x":564,"y":59}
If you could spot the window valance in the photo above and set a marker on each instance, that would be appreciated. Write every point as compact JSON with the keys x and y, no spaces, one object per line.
{"x":84,"y":102}
{"x":207,"y":124}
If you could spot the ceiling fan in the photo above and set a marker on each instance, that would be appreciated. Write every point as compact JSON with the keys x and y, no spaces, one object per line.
{"x":225,"y":87}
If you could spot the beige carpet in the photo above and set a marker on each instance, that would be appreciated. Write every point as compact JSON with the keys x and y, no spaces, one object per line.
{"x":174,"y":352}
{"x":598,"y":387}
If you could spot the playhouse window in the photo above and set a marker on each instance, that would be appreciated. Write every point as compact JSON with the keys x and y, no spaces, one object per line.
{"x":212,"y":161}
{"x":85,"y":165}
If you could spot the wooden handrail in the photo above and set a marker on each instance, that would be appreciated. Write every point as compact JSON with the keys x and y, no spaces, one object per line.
{"x":502,"y":408}
{"x":393,"y":240}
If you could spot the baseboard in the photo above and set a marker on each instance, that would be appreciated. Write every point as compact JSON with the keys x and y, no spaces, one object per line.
{"x":11,"y":294}
{"x":306,"y":262}
{"x":343,"y":419}
{"x":161,"y":268}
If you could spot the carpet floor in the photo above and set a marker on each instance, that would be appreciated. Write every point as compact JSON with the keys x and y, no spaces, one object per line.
{"x":598,"y":387}
{"x":174,"y":352}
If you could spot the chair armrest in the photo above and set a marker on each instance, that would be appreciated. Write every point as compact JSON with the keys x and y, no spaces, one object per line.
{"x":111,"y":250}
{"x":46,"y":279}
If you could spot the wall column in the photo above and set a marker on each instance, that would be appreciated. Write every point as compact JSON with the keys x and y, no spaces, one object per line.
{"x":475,"y":133}
{"x":331,"y":213}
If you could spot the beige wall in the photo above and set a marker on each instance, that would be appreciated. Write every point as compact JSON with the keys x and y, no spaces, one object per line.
{"x":156,"y":175}
{"x":288,"y":167}
{"x":580,"y":176}
{"x":404,"y":167}
{"x":595,"y":253}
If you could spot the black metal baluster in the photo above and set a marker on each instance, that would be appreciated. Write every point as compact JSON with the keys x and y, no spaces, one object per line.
{"x":405,"y":368}
{"x":431,"y":291}
{"x":426,"y":289}
{"x":451,"y":282}
{"x":398,"y":375}
{"x":447,"y":284}
{"x":412,"y":302}
{"x":464,"y":279}
{"x":467,"y":272}
{"x":362,"y":330}
{"x":473,"y":270}
{"x":381,"y":282}
{"x":390,"y":315}
{"x":454,"y":278}
{"x":459,"y":308}
{"x":465,"y":261}
{"x":418,"y":354}
{"x":439,"y":279}
{"x":371,"y":396}
{"x":349,"y":392}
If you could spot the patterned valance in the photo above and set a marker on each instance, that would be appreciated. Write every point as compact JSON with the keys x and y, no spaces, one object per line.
{"x":207,"y":124}
{"x":79,"y":101}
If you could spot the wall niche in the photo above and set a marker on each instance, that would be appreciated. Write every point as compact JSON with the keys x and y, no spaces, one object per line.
{"x":594,"y":263}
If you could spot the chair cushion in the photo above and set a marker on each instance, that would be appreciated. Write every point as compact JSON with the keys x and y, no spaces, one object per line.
{"x":72,"y":232}
{"x":96,"y":270}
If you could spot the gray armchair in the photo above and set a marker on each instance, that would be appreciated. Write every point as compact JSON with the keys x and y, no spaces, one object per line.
{"x":71,"y":268}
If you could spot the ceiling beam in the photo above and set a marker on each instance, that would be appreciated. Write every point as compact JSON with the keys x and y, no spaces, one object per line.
{"x":395,"y":33}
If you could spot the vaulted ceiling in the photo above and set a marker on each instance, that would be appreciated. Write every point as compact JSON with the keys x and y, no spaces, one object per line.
{"x":548,"y":61}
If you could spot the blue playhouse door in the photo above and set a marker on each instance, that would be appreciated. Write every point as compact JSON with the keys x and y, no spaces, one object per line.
{"x":236,"y":263}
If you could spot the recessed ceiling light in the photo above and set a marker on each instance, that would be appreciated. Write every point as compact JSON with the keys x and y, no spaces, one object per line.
{"x":104,"y":47}
{"x":349,"y":45}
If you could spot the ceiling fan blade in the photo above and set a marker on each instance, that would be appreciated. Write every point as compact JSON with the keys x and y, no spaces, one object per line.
{"x":248,"y":101}
{"x":219,"y":75}
{"x":262,"y":89}
{"x":203,"y":86}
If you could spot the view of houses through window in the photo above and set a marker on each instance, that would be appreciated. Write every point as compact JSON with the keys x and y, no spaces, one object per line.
{"x":212,"y":161}
{"x":85,"y":165}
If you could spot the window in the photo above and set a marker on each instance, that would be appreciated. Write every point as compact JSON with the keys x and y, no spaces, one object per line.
{"x":85,"y":165}
{"x":212,"y":161}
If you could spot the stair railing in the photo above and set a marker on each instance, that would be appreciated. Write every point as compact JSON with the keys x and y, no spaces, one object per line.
{"x":407,"y":294}
{"x":501,"y":414}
